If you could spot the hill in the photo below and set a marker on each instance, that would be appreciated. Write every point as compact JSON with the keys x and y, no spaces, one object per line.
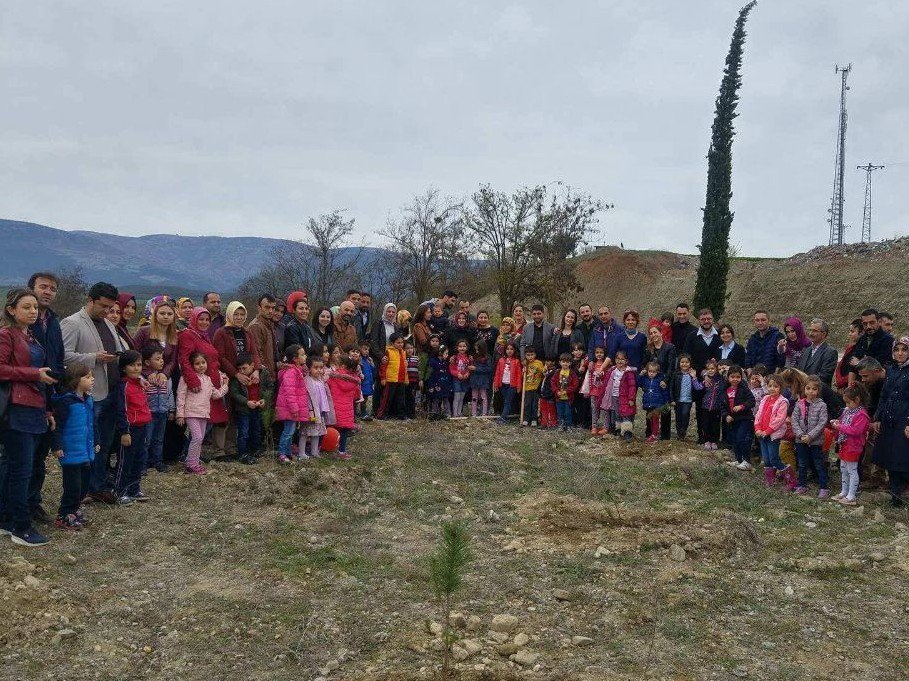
{"x":139,"y":261}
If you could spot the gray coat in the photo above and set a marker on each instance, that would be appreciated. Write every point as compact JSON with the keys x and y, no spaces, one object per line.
{"x":809,"y":418}
{"x":80,"y":343}
{"x":820,"y":363}
{"x":527,"y":338}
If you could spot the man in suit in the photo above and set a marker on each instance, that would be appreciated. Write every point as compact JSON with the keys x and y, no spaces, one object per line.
{"x":92,"y":340}
{"x":819,"y":359}
{"x":363,"y":317}
{"x":537,"y":334}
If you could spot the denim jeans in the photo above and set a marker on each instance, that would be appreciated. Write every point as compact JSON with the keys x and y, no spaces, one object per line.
{"x":811,"y":456}
{"x":508,"y":393}
{"x":770,"y":453}
{"x":740,"y":439}
{"x":39,"y":470}
{"x":249,"y":432}
{"x":105,"y":422}
{"x":344,"y":433}
{"x":682,"y":418}
{"x":15,"y":474}
{"x":154,"y":439}
{"x":287,"y":437}
{"x":131,"y":462}
{"x":563,"y":411}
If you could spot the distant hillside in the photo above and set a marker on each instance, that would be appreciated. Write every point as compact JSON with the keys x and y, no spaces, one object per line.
{"x":191,"y":262}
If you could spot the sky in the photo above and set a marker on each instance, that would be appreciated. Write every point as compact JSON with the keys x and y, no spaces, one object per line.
{"x":238,"y":118}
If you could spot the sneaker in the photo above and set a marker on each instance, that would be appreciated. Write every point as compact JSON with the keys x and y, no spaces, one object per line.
{"x":707,"y":446}
{"x":344,"y":455}
{"x":846,"y":501}
{"x":198,"y":469}
{"x":801,"y":489}
{"x":652,"y":438}
{"x":533,"y":424}
{"x":140,"y":496}
{"x":300,"y":458}
{"x":524,"y":424}
{"x":733,"y":464}
{"x":500,"y":421}
{"x":367,"y":418}
{"x":248,"y":460}
{"x":627,"y":437}
{"x":745,"y":466}
{"x":837,"y":497}
{"x":28,"y":537}
{"x":125,"y":501}
{"x":283,"y":459}
{"x":564,"y":429}
{"x":823,"y":493}
{"x":83,"y":519}
{"x":39,"y":515}
{"x":70,"y":522}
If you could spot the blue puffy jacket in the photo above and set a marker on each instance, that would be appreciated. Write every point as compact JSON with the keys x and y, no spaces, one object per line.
{"x":75,"y":428}
{"x":763,"y":350}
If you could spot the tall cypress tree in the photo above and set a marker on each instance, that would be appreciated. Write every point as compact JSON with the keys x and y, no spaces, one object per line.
{"x":713,"y":269}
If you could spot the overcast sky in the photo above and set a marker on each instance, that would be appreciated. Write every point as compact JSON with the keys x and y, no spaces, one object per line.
{"x":241,"y":118}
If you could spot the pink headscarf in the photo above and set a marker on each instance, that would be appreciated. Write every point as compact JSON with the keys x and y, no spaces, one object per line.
{"x":194,"y":319}
{"x":801,"y":340}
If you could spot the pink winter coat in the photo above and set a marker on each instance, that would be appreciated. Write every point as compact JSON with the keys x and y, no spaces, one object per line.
{"x":345,"y":391}
{"x":777,"y":427}
{"x":293,"y":397}
{"x":192,"y":405}
{"x":628,"y":393}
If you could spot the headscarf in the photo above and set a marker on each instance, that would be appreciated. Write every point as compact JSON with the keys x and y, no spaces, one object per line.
{"x":505,"y":338}
{"x":123,"y":299}
{"x":801,"y":340}
{"x":232,"y":307}
{"x":180,"y":302}
{"x":902,"y":340}
{"x":194,"y":320}
{"x":150,"y":309}
{"x":293,"y":299}
{"x":388,"y":305}
{"x":459,"y":316}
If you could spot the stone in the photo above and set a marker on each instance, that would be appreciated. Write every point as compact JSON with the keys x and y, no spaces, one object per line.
{"x":458,"y":653}
{"x":498,"y":636}
{"x":507,"y":649}
{"x":877,"y":557}
{"x":506,"y":623}
{"x":677,"y":553}
{"x":525,"y":658}
{"x":562,"y":595}
{"x":456,"y":499}
{"x":19,"y":567}
{"x":493,"y":517}
{"x":32,"y":582}
{"x":810,"y":525}
{"x":521,"y":639}
{"x":741,"y":672}
{"x":70,"y":559}
{"x":789,"y":591}
{"x":581,"y":641}
{"x":457,"y":620}
{"x":878,"y":516}
{"x":471,"y":646}
{"x":474,"y":623}
{"x":434,"y":628}
{"x":332,"y":665}
{"x":600,"y":552}
{"x":63,"y":635}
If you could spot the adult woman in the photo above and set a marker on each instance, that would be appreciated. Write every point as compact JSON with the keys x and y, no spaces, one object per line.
{"x":731,"y":350}
{"x":149,"y":309}
{"x":297,"y":330}
{"x":421,"y":329}
{"x":232,"y":339}
{"x":793,"y":345}
{"x":486,"y":332}
{"x":565,"y":335}
{"x":507,"y":334}
{"x":663,"y":353}
{"x":23,"y":365}
{"x":125,"y":303}
{"x":631,"y":341}
{"x":517,"y":316}
{"x":402,"y":322}
{"x":841,"y":376}
{"x":184,"y":312}
{"x":195,"y":339}
{"x":460,"y":331}
{"x":323,"y":326}
{"x":163,"y":332}
{"x":891,"y":423}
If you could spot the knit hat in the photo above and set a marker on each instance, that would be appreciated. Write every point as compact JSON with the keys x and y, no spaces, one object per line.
{"x":294,"y":298}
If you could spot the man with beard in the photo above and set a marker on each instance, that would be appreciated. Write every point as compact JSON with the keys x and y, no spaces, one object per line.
{"x":586,"y":323}
{"x":702,"y":345}
{"x":363,"y":317}
{"x":761,"y":347}
{"x":345,"y":332}
{"x":682,"y":326}
{"x":211,"y":301}
{"x":602,"y":332}
{"x":874,"y":342}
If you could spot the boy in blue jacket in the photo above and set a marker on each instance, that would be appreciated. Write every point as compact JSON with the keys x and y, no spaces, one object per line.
{"x":655,"y":397}
{"x":368,"y":384}
{"x":161,"y":403}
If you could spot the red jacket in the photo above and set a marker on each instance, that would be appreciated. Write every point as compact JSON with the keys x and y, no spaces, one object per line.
{"x":572,"y":387}
{"x":188,"y":342}
{"x":517,"y":373}
{"x":132,"y":405}
{"x":223,"y":342}
{"x":345,"y":391}
{"x":16,"y":367}
{"x":628,"y":394}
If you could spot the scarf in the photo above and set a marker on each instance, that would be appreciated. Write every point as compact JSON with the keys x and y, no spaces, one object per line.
{"x":232,"y":308}
{"x":194,"y":320}
{"x":150,"y":309}
{"x":801,"y":340}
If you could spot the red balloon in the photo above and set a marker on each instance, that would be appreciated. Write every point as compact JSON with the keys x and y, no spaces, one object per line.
{"x":330,"y":440}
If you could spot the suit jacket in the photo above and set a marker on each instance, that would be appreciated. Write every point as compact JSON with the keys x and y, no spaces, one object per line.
{"x":378,"y":339}
{"x":527,"y":338}
{"x":80,"y":343}
{"x":821,"y":362}
{"x":361,"y":327}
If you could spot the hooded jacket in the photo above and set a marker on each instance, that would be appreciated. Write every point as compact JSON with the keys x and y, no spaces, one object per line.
{"x":293,"y":402}
{"x":345,"y":391}
{"x":75,"y":429}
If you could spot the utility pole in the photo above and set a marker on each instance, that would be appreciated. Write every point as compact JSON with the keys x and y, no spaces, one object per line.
{"x":836,"y":202}
{"x":866,"y":213}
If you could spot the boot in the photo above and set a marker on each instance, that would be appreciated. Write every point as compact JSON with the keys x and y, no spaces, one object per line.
{"x":769,"y":475}
{"x":789,"y":478}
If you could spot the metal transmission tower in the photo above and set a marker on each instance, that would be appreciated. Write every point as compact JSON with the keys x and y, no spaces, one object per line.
{"x":866,"y":213}
{"x":836,"y":202}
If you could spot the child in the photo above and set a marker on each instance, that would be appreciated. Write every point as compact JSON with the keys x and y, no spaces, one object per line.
{"x":438,"y":384}
{"x":756,"y":384}
{"x":133,"y":417}
{"x":712,"y":387}
{"x":344,"y":385}
{"x":459,"y":368}
{"x":414,"y":384}
{"x":593,"y":386}
{"x":194,"y":409}
{"x":367,"y":386}
{"x":293,"y":404}
{"x":683,"y":395}
{"x":73,"y":442}
{"x":508,"y":379}
{"x":565,"y":385}
{"x":393,"y":375}
{"x":891,"y":422}
{"x":335,"y":353}
{"x":480,"y":379}
{"x":620,"y":396}
{"x":808,"y":422}
{"x":737,"y":409}
{"x":548,"y":418}
{"x":580,"y":409}
{"x":248,"y":402}
{"x":320,"y":409}
{"x":533,"y":378}
{"x":852,"y":431}
{"x":161,"y":404}
{"x":654,"y":398}
{"x":769,"y":428}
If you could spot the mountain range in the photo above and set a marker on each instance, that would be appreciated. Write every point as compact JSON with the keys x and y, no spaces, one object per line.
{"x":190,"y":262}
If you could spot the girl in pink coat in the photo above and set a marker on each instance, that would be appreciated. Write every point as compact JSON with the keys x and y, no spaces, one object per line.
{"x":620,"y":394}
{"x":194,"y":408}
{"x":344,"y":385}
{"x":769,"y":429}
{"x":292,"y":406}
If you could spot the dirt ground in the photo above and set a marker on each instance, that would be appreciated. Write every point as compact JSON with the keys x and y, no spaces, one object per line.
{"x":615,"y":561}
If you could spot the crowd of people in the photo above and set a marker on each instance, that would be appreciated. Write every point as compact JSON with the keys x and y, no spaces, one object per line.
{"x":101,"y":385}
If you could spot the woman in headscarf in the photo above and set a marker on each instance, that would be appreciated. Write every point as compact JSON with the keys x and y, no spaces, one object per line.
{"x":163,"y":332}
{"x":184,"y":312}
{"x":232,"y":340}
{"x":507,"y":334}
{"x":150,"y":306}
{"x":195,"y":339}
{"x":891,"y":422}
{"x":381,"y":331}
{"x":793,"y":345}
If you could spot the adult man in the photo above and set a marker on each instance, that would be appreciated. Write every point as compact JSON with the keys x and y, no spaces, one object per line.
{"x":603,"y":332}
{"x":587,"y":322}
{"x":353,"y":295}
{"x":538,"y":334}
{"x":345,"y":332}
{"x":874,"y":342}
{"x":871,"y":374}
{"x":886,"y":321}
{"x":704,"y":343}
{"x":447,"y":300}
{"x":297,"y":330}
{"x":464,"y":306}
{"x":819,"y":359}
{"x":761,"y":347}
{"x":211,"y":301}
{"x":363,"y":318}
{"x":262,"y":330}
{"x":47,"y":332}
{"x":682,"y":326}
{"x":90,"y":339}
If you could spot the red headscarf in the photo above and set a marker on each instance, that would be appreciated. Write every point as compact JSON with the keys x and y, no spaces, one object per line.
{"x":295,"y":298}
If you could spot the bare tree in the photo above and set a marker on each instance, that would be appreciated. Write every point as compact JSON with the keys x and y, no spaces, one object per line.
{"x":330,"y":233}
{"x":72,"y":290}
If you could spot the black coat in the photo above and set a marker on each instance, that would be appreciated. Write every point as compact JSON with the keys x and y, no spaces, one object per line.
{"x":296,"y":333}
{"x":700,"y":351}
{"x":743,"y":396}
{"x":665,"y":357}
{"x":878,"y":345}
{"x":891,"y":451}
{"x":454,"y":335}
{"x":737,"y":355}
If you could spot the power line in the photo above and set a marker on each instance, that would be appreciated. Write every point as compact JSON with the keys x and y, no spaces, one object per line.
{"x":866,"y":213}
{"x":838,"y":198}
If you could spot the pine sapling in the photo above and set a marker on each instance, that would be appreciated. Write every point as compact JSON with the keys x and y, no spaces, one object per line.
{"x":446,"y":572}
